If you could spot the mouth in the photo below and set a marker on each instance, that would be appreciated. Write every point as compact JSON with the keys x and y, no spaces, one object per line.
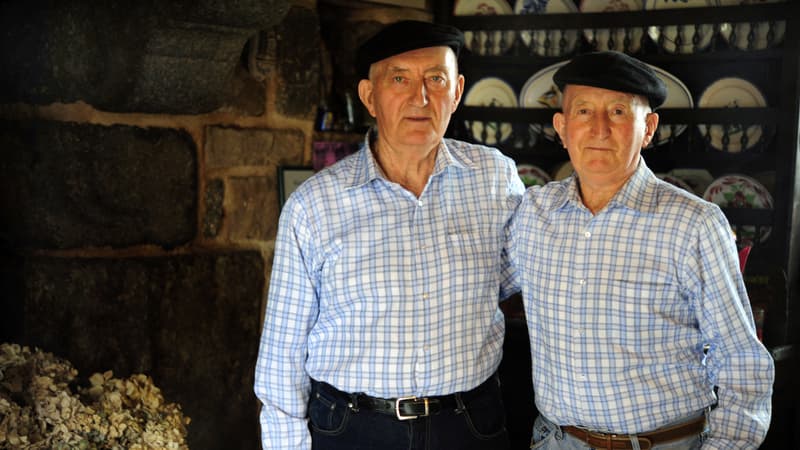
{"x":418,"y":118}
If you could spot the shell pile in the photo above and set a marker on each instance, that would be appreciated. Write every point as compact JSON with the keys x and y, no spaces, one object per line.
{"x":43,"y":406}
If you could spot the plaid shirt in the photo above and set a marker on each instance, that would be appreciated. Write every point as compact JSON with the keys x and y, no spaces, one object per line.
{"x":620,"y":305}
{"x":375,"y":290}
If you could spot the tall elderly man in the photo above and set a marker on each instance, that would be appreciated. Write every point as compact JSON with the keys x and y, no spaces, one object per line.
{"x":383,"y":328}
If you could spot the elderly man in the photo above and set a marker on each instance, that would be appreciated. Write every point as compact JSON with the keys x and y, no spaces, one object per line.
{"x":382,"y":328}
{"x":640,"y":327}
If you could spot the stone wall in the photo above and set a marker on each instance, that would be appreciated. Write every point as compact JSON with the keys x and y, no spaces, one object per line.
{"x":139,"y":146}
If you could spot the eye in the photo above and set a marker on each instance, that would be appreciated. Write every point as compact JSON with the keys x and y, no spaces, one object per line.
{"x":397,"y":79}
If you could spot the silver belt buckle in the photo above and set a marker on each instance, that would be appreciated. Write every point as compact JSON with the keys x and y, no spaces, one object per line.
{"x":401,"y":399}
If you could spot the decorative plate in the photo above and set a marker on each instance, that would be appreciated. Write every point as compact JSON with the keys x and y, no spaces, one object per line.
{"x":614,"y":39}
{"x":680,"y":39}
{"x":740,"y":32}
{"x":698,"y":179}
{"x":490,"y":91}
{"x":532,"y":175}
{"x":485,"y":42}
{"x":548,"y":42}
{"x":741,"y":191}
{"x":540,"y":92}
{"x":675,"y":181}
{"x":563,"y":170}
{"x":731,"y":93}
{"x":678,"y":96}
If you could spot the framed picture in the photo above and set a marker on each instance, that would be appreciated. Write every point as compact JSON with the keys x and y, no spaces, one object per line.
{"x":289,"y":178}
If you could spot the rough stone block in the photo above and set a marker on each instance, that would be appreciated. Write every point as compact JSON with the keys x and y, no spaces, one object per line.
{"x":215,"y":195}
{"x":65,"y":185}
{"x":147,"y":56}
{"x":254,"y":209}
{"x":298,"y":63}
{"x":233,"y":147}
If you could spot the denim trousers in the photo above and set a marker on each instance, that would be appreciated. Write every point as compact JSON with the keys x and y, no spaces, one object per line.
{"x":337,"y":423}
{"x":548,"y":436}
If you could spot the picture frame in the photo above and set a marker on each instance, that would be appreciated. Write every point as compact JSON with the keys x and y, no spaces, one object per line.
{"x":289,"y":178}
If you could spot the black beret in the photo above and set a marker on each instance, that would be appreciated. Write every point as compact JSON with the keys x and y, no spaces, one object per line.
{"x":404,"y":36}
{"x":615,"y":71}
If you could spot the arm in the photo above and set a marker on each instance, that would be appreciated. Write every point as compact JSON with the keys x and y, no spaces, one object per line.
{"x":281,"y":383}
{"x":737,"y":363}
{"x":509,"y":282}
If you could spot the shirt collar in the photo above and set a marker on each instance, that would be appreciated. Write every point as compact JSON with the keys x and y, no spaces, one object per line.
{"x":638,"y":193}
{"x":367,"y":169}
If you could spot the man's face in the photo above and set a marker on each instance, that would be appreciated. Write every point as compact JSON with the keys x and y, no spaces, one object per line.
{"x":604,"y":131}
{"x":412,"y":96}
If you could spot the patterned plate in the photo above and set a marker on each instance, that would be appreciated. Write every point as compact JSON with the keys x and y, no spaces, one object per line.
{"x":548,"y":42}
{"x":680,"y":39}
{"x":698,"y":179}
{"x":490,"y":91}
{"x":563,"y":170}
{"x":678,"y":96}
{"x":741,"y":191}
{"x":731,"y":93}
{"x":540,"y":92}
{"x":485,"y":42}
{"x":532,"y":175}
{"x":675,"y":181}
{"x":739,"y":33}
{"x":614,"y":39}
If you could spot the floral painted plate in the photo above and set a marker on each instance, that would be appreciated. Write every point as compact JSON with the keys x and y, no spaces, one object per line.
{"x":731,"y":92}
{"x":681,"y":39}
{"x":532,"y":175}
{"x":490,"y":91}
{"x":483,"y":42}
{"x":741,"y":191}
{"x":548,"y":42}
{"x":614,"y":39}
{"x":539,"y":91}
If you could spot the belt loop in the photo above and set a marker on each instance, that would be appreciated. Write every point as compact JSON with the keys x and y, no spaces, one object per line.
{"x":353,"y":403}
{"x":460,"y":406}
{"x":635,"y":442}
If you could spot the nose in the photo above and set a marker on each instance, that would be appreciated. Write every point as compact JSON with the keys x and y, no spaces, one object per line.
{"x":419,"y":94}
{"x":600,"y":127}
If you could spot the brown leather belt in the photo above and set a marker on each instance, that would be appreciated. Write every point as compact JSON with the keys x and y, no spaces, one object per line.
{"x":646,"y":440}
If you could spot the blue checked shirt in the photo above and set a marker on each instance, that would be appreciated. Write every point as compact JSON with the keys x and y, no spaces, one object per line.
{"x":374,"y":290}
{"x":620,"y":305}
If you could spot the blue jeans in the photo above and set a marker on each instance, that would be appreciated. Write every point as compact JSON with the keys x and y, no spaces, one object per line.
{"x":548,"y":436}
{"x":337,"y":423}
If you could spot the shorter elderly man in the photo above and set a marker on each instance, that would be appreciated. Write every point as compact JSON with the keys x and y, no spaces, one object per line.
{"x":640,"y":327}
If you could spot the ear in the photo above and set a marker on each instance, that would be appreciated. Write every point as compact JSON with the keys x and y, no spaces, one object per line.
{"x":559,"y":124}
{"x":459,"y":91}
{"x":365,"y":94}
{"x":651,"y":124}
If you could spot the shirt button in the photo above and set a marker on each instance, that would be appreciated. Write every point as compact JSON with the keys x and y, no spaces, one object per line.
{"x":587,"y":234}
{"x":424,"y":296}
{"x":581,"y":281}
